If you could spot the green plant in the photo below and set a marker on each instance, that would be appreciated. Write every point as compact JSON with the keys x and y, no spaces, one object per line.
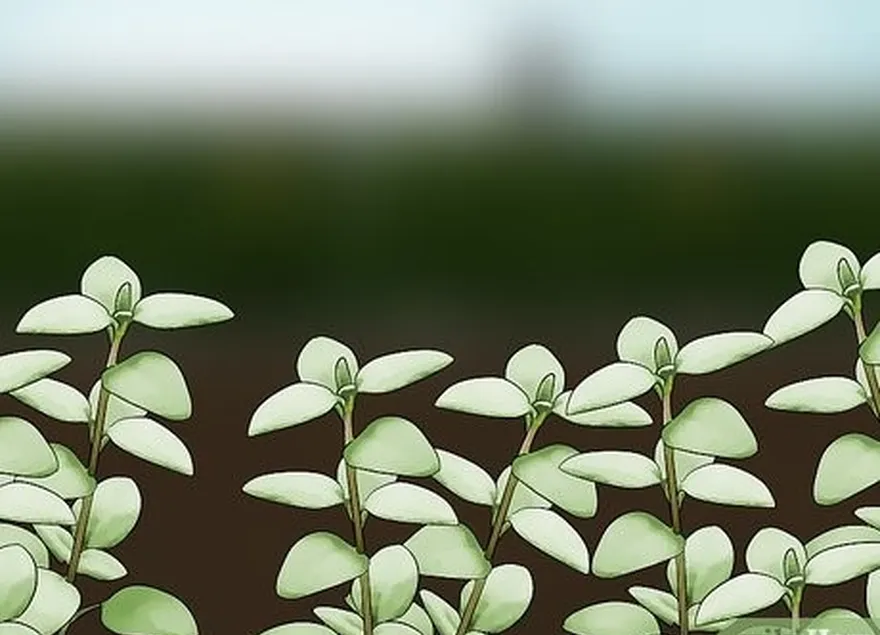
{"x":66,"y":493}
{"x":683,"y":465}
{"x":385,"y":583}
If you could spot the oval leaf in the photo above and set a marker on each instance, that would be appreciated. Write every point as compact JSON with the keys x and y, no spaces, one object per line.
{"x":685,"y":462}
{"x":393,"y":445}
{"x":394,"y":577}
{"x":843,"y":563}
{"x":57,"y":539}
{"x":448,"y":552}
{"x":179,"y":310}
{"x":298,"y":489}
{"x":528,"y":367}
{"x":26,"y":503}
{"x":53,"y":604}
{"x":838,"y":621}
{"x":613,"y":384}
{"x":66,"y":315}
{"x":818,"y":265}
{"x":116,"y":508}
{"x":822,"y":395}
{"x":612,"y":618}
{"x":342,"y":622}
{"x":152,"y":381}
{"x":660,"y":603}
{"x":727,"y":485}
{"x":766,"y":552}
{"x":713,"y":427}
{"x":18,"y":582}
{"x":540,"y":471}
{"x":103,"y":278}
{"x":367,"y":482}
{"x":622,"y":415}
{"x":739,"y":596}
{"x":548,"y":531}
{"x":317,"y":360}
{"x":714,"y":352}
{"x":523,"y":496}
{"x":709,"y":557}
{"x":153,"y":442}
{"x":805,"y":311}
{"x":137,"y":610}
{"x":638,"y":338}
{"x":486,"y":396}
{"x":634,"y":541}
{"x":14,"y":535}
{"x":317,"y":562}
{"x":23,"y":449}
{"x":394,"y":371}
{"x":55,"y":399}
{"x":101,"y":565}
{"x":25,"y":367}
{"x":849,"y":465}
{"x":291,"y":406}
{"x":71,"y":480}
{"x":444,"y":617}
{"x":299,"y":628}
{"x":505,"y":598}
{"x":610,"y":467}
{"x":408,"y":503}
{"x":465,"y":479}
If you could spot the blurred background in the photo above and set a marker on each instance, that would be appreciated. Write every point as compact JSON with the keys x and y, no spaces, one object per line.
{"x":460,"y":175}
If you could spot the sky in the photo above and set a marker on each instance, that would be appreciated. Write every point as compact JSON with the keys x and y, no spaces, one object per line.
{"x":624,"y":53}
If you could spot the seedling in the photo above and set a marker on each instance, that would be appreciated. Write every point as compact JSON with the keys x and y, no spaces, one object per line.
{"x":119,"y":410}
{"x":533,"y":388}
{"x":683,"y":463}
{"x":366,"y":484}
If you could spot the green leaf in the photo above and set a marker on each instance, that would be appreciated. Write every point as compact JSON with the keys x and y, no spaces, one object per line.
{"x":505,"y":599}
{"x":685,"y":462}
{"x":549,"y":532}
{"x":317,"y":361}
{"x":612,"y":618}
{"x":367,"y":482}
{"x":23,"y":449}
{"x":394,"y":628}
{"x":116,"y":508}
{"x":727,"y":485}
{"x":299,"y":489}
{"x":444,"y":617}
{"x":486,"y":396}
{"x":869,"y":515}
{"x":840,"y":564}
{"x":622,"y":415}
{"x":57,"y":539}
{"x":766,"y":552}
{"x":528,"y":367}
{"x":393,"y":445}
{"x":872,"y":595}
{"x":26,"y":503}
{"x":870,"y":275}
{"x":818,"y":265}
{"x":408,"y":503}
{"x":73,"y":314}
{"x":71,"y":480}
{"x":805,"y":311}
{"x":317,"y":562}
{"x":849,"y":465}
{"x":638,"y":339}
{"x":610,"y":467}
{"x":417,"y":618}
{"x":53,"y":604}
{"x":394,"y":577}
{"x":15,"y":535}
{"x":14,"y":628}
{"x":540,"y":471}
{"x":611,"y":385}
{"x":55,"y":399}
{"x":662,"y":604}
{"x":152,"y":442}
{"x":117,"y":409}
{"x":634,"y":541}
{"x":443,"y":551}
{"x":711,"y":426}
{"x":840,"y":536}
{"x":299,"y":628}
{"x":465,"y":479}
{"x":714,"y":352}
{"x":179,"y":310}
{"x":342,"y":622}
{"x":742,"y":595}
{"x":524,"y":497}
{"x":291,"y":406}
{"x":869,"y":351}
{"x":394,"y":371}
{"x":708,"y":554}
{"x":18,"y":581}
{"x":152,"y":381}
{"x":819,"y":395}
{"x":102,"y":280}
{"x":101,"y":565}
{"x":25,"y":367}
{"x":838,"y":621}
{"x":137,"y":610}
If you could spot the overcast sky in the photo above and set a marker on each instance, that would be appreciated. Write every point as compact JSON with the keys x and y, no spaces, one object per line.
{"x":351,"y":51}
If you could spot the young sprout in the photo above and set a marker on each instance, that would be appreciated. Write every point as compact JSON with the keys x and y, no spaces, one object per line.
{"x":533,"y":388}
{"x":707,"y":428}
{"x":384,"y":584}
{"x":120,"y":410}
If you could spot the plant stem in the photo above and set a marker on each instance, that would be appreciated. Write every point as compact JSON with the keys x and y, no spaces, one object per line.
{"x":470,"y":608}
{"x":870,"y":372}
{"x":357,"y":519}
{"x":82,"y":523}
{"x":675,"y":513}
{"x":76,"y":616}
{"x":796,"y":599}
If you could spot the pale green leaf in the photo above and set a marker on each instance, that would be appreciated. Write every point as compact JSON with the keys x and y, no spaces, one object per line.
{"x":394,"y":628}
{"x":869,"y":351}
{"x":317,"y":361}
{"x":661,"y":604}
{"x":486,"y":396}
{"x":465,"y":479}
{"x":818,"y":265}
{"x":417,"y":618}
{"x":27,"y":503}
{"x":524,"y":497}
{"x":612,"y":618}
{"x":713,"y":427}
{"x":53,"y":604}
{"x":316,"y":562}
{"x":740,"y":596}
{"x":819,"y":395}
{"x":685,"y":462}
{"x":505,"y":599}
{"x":394,"y":577}
{"x":444,"y":616}
{"x":549,"y":532}
{"x":766,"y":552}
{"x":838,"y":620}
{"x":872,"y":595}
{"x":308,"y":490}
{"x":179,"y":310}
{"x":152,"y":381}
{"x":138,"y":610}
{"x":103,"y":279}
{"x":152,"y":442}
{"x":291,"y":406}
{"x":540,"y":471}
{"x":101,"y":565}
{"x":18,"y":581}
{"x":613,"y":384}
{"x":611,"y":467}
{"x":448,"y":552}
{"x":73,"y":314}
{"x":23,"y":449}
{"x":722,"y":350}
{"x":342,"y":622}
{"x":622,"y":415}
{"x":870,"y":515}
{"x":528,"y":367}
{"x":397,"y":370}
{"x":805,"y":311}
{"x":25,"y":367}
{"x":870,"y":275}
{"x":638,"y":338}
{"x":634,"y":541}
{"x":14,"y":628}
{"x":409,"y":503}
{"x":840,"y":536}
{"x":15,"y":535}
{"x":393,"y":445}
{"x":709,"y":555}
{"x":849,"y":465}
{"x":367,"y":482}
{"x":71,"y":480}
{"x":299,"y":628}
{"x":727,"y":485}
{"x":117,"y":409}
{"x":116,"y":508}
{"x":58,"y":540}
{"x":55,"y":399}
{"x":840,"y":564}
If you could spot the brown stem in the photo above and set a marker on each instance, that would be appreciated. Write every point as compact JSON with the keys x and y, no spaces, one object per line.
{"x":357,"y":519}
{"x":675,"y":513}
{"x":870,"y":371}
{"x":470,"y":608}
{"x":82,"y":523}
